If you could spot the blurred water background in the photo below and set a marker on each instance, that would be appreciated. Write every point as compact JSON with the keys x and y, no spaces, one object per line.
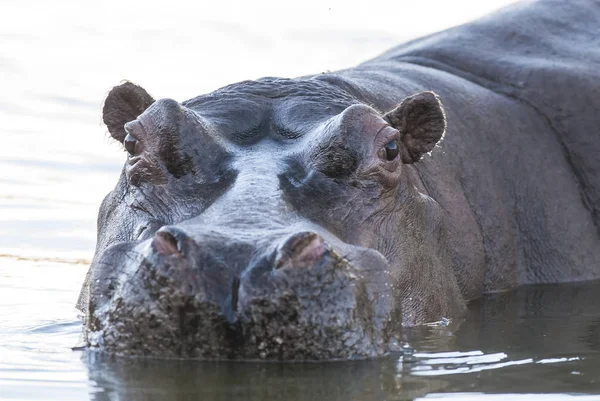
{"x":58,"y":60}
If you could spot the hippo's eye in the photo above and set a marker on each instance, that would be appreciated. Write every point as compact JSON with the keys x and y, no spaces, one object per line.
{"x":130,"y":143}
{"x":390,"y":151}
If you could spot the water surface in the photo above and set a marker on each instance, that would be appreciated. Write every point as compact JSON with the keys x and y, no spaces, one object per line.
{"x":542,"y":340}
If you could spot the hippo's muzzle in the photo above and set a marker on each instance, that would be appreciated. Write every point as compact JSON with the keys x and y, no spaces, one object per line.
{"x":212,"y":297}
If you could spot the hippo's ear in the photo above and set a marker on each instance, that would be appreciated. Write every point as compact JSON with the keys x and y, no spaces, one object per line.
{"x":421,"y":121}
{"x":124,"y":103}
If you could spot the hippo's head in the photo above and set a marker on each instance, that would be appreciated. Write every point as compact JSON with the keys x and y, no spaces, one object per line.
{"x":275,"y":219}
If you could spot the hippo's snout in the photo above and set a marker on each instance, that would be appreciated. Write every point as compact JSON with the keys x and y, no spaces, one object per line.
{"x":214,"y":297}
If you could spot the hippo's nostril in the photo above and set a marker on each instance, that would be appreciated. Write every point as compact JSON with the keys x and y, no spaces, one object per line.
{"x":166,"y":244}
{"x":300,"y":250}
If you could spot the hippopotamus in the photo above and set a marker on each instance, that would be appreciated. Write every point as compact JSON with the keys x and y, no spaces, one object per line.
{"x":319,"y":217}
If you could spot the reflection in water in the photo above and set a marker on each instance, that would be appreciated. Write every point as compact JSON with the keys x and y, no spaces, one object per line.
{"x":538,"y":339}
{"x":248,"y":381}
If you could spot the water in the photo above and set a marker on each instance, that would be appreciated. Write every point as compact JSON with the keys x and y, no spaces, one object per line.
{"x":57,"y":62}
{"x":540,"y":339}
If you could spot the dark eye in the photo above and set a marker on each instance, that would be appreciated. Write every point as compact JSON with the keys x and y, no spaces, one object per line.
{"x":130,"y":143}
{"x":390,"y":151}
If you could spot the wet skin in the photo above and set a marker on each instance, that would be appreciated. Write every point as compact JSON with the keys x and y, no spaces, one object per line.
{"x":303,"y":219}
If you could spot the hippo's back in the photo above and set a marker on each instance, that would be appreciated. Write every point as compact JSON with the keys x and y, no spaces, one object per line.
{"x":545,"y":54}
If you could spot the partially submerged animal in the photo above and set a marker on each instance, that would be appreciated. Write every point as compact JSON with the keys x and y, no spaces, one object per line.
{"x":302,"y":218}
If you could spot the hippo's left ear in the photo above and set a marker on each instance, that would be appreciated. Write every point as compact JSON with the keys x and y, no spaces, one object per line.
{"x":123,"y":104}
{"x":421,"y":121}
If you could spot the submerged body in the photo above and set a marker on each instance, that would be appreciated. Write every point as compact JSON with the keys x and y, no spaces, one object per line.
{"x":302,"y":219}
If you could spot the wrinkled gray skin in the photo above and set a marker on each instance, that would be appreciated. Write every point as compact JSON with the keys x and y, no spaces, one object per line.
{"x":268,"y":220}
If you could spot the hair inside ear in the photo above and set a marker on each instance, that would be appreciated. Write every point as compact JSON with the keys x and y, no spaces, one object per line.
{"x":422,"y":123}
{"x":124,"y":103}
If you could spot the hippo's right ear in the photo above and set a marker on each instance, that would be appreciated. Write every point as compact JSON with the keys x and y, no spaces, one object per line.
{"x":124,"y":103}
{"x":421,"y":121}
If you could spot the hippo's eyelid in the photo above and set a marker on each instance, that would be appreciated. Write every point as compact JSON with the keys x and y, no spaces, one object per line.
{"x":136,"y":129}
{"x":382,"y":128}
{"x":386,"y":134}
